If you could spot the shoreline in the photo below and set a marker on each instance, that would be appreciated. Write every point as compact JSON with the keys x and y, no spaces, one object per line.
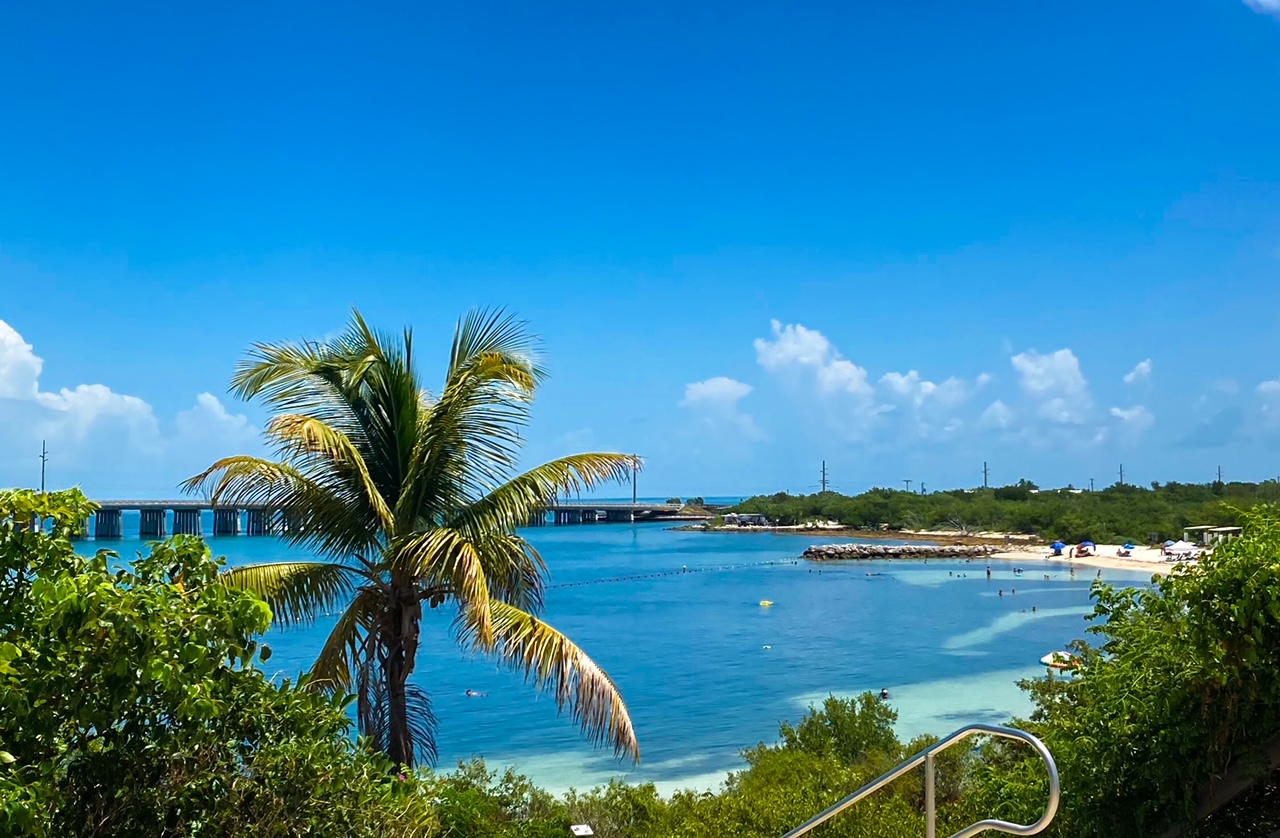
{"x":1143,"y":558}
{"x":926,"y":536}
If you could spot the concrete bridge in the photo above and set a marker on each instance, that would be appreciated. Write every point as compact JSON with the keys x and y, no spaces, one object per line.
{"x":186,"y":517}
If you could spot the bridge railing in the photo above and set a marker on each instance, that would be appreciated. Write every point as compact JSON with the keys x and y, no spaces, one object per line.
{"x":926,"y":758}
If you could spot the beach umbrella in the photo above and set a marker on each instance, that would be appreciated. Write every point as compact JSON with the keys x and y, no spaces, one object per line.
{"x":1087,"y":544}
{"x":1057,"y":545}
{"x":1169,"y":543}
{"x":1128,"y":546}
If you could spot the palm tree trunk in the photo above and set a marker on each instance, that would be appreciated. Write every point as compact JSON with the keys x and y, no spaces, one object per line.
{"x":401,"y":652}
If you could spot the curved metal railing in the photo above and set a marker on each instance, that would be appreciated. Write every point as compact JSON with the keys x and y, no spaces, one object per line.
{"x":925,"y":757}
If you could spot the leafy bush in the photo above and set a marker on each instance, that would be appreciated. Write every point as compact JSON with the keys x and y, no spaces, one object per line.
{"x":130,"y":703}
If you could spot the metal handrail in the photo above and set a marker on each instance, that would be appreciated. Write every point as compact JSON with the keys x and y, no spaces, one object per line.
{"x":930,"y":805}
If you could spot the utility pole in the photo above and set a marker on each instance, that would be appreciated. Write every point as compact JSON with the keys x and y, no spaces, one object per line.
{"x":1090,"y":484}
{"x":1219,"y":474}
{"x":985,"y":474}
{"x":1122,"y":474}
{"x":824,"y":476}
{"x":922,"y":487}
{"x":44,"y":460}
{"x":908,"y":484}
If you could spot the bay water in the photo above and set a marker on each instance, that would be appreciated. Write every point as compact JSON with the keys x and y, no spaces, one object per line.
{"x":676,"y":619}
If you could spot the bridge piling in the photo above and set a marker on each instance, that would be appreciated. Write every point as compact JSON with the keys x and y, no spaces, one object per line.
{"x":186,"y":522}
{"x":151,"y":523}
{"x":226,"y":522}
{"x":106,"y":523}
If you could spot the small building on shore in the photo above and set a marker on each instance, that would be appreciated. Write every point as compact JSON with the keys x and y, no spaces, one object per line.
{"x":745,"y":519}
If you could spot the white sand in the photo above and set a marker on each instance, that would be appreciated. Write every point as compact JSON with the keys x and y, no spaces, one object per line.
{"x":1104,"y":555}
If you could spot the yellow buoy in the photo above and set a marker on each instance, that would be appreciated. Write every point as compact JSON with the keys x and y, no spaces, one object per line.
{"x":765,"y":603}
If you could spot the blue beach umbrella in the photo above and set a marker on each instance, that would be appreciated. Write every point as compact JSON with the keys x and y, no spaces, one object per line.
{"x":1087,"y":544}
{"x":1057,"y":545}
{"x":1128,"y":546}
{"x":1169,"y":543}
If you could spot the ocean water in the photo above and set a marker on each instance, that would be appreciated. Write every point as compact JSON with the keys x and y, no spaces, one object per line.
{"x":705,"y":669}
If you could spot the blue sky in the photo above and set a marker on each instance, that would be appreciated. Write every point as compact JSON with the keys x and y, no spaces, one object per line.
{"x":906,"y":238}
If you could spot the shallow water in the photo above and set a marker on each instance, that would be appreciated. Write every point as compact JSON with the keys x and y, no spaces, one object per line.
{"x":706,"y":670}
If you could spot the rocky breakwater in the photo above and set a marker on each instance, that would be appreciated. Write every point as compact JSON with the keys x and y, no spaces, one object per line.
{"x":834,"y":552}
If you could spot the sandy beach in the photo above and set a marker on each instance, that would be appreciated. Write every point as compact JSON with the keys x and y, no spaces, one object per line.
{"x":1142,"y":558}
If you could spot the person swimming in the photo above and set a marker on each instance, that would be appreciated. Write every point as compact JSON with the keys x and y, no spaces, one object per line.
{"x":884,"y":694}
{"x":475,"y":694}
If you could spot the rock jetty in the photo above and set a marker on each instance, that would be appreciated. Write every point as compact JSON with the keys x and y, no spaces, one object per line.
{"x":833,"y":552}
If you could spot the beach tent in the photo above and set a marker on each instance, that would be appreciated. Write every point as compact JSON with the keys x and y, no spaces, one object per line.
{"x":1182,"y":547}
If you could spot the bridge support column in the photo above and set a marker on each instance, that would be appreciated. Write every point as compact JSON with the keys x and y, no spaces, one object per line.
{"x":226,"y":522}
{"x":106,"y":523}
{"x":186,"y":522}
{"x":538,"y":519}
{"x":151,"y":524}
{"x":259,"y":522}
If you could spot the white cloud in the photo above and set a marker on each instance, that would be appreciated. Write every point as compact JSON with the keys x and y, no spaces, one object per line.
{"x":796,"y":348}
{"x":1136,"y":419}
{"x":720,"y":389}
{"x":997,"y":415}
{"x":1055,"y":383}
{"x":715,"y":402}
{"x":19,"y":366}
{"x":1266,"y":7}
{"x":104,"y":437}
{"x":1141,"y":372}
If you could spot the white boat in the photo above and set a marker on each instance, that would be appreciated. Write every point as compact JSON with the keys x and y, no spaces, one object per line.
{"x":1060,"y":661}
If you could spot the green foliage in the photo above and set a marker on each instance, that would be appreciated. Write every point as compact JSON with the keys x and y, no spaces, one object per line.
{"x":1117,"y":513}
{"x":675,"y":501}
{"x":130,"y":703}
{"x":1184,"y":683}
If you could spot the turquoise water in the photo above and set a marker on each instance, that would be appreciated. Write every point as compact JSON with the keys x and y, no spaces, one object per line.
{"x":706,"y":671}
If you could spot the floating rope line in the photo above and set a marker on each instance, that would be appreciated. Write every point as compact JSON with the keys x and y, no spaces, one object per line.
{"x":684,"y":571}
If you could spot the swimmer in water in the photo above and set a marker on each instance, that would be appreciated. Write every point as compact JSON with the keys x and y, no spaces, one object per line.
{"x":884,"y":694}
{"x":475,"y":694}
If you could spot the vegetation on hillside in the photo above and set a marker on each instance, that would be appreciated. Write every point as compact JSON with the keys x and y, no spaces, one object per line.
{"x":1118,"y":513}
{"x":413,"y":500}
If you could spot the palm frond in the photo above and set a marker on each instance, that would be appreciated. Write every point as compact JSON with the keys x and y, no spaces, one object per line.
{"x":511,"y":504}
{"x":447,"y":557}
{"x":554,"y":663}
{"x":422,"y":720}
{"x":323,"y":512}
{"x":313,"y":436}
{"x":342,"y":650}
{"x":297,"y":592}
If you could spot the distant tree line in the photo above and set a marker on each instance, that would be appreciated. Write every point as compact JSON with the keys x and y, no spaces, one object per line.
{"x":1120,"y":512}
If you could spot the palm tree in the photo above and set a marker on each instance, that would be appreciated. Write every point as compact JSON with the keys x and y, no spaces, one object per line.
{"x":412,"y":498}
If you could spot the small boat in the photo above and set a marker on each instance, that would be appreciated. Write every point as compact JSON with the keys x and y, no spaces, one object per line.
{"x":765,"y":603}
{"x":1061,"y":661}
